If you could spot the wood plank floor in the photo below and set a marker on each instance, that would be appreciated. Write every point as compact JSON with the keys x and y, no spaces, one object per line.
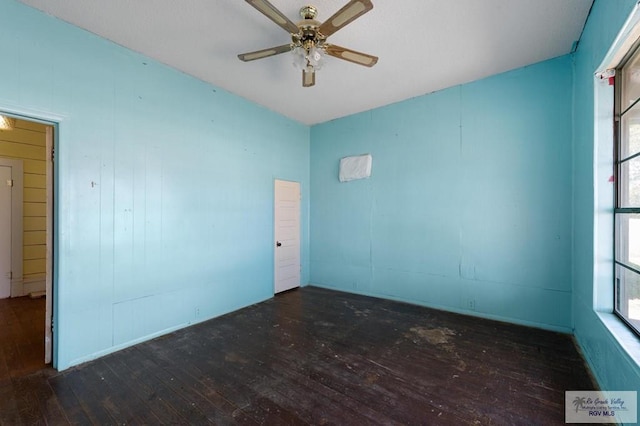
{"x":314,"y":356}
{"x":21,"y":336}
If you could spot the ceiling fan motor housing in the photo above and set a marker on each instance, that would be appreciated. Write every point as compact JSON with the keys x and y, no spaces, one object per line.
{"x":308,"y":36}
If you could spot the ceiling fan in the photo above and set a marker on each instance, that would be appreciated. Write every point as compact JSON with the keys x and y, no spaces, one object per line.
{"x":308,"y":37}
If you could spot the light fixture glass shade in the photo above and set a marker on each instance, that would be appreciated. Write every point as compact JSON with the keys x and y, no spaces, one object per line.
{"x":7,"y":123}
{"x":315,"y":58}
{"x":299,"y":58}
{"x":310,"y":60}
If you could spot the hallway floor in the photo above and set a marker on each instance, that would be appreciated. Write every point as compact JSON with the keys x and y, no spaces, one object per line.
{"x":21,"y":336}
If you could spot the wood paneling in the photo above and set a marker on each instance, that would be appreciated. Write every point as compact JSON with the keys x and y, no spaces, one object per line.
{"x":34,"y":252}
{"x":34,"y":195}
{"x":30,"y":125}
{"x":11,"y":149}
{"x":28,"y":142}
{"x":35,"y":166}
{"x":35,"y":209}
{"x":23,"y":136}
{"x":34,"y":224}
{"x":314,"y":356}
{"x":33,"y":267}
{"x":34,"y":181}
{"x":33,"y":237}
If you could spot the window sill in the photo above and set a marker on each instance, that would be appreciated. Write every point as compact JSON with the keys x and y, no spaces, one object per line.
{"x":627,"y":339}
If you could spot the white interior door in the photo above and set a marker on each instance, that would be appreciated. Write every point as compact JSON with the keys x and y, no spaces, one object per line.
{"x":287,"y":235}
{"x":5,"y":232}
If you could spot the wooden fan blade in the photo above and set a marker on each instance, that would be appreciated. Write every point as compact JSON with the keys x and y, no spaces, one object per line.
{"x":351,"y":55}
{"x":308,"y":78}
{"x":271,"y":12}
{"x":350,"y":12}
{"x":264,"y":53}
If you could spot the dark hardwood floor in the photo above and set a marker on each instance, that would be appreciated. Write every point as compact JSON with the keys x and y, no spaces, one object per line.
{"x":314,"y":356}
{"x":21,"y":336}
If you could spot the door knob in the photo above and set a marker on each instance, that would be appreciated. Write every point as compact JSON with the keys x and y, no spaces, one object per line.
{"x":278,"y":243}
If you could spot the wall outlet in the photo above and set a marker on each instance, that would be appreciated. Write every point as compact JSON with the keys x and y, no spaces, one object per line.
{"x":471,"y":304}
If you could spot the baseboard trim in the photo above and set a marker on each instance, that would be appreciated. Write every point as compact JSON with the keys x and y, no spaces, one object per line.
{"x":16,"y":287}
{"x":26,"y":286}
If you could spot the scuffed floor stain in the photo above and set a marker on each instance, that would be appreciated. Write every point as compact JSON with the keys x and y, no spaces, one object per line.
{"x":435,"y":336}
{"x":441,"y":337}
{"x":371,"y":378}
{"x":234,"y":357}
{"x":356,"y":311}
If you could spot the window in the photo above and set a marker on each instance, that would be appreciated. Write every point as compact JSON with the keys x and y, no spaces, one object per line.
{"x":627,"y":193}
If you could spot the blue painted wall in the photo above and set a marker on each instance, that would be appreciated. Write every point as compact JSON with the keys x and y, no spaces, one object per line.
{"x":610,"y":364}
{"x":164,"y":185}
{"x":469,"y":204}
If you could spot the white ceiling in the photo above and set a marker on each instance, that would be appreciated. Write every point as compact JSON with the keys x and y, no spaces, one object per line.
{"x":423,"y":45}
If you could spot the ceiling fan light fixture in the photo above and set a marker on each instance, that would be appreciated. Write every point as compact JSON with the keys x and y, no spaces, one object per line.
{"x":308,"y":37}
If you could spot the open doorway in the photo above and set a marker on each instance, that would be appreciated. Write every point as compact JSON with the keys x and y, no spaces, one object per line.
{"x":26,"y":237}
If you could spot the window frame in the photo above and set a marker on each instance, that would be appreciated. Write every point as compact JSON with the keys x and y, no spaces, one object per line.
{"x":618,"y":161}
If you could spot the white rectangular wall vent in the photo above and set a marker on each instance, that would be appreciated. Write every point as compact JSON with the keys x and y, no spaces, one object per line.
{"x":355,"y":167}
